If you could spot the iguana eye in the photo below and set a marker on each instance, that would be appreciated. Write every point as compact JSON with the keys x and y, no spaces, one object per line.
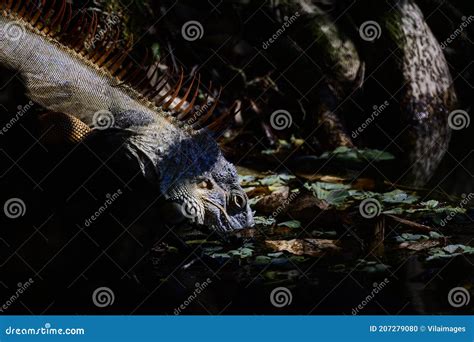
{"x":205,"y":184}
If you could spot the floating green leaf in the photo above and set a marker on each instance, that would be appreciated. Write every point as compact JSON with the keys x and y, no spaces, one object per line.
{"x":263,"y":260}
{"x":337,"y":197}
{"x":398,"y":196}
{"x":242,"y":252}
{"x":264,"y":220}
{"x":294,"y":224}
{"x":351,"y":154}
{"x":449,"y":252}
{"x":275,"y":255}
{"x":280,"y":179}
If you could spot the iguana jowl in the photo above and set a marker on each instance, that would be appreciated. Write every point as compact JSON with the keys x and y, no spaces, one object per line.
{"x":184,"y":162}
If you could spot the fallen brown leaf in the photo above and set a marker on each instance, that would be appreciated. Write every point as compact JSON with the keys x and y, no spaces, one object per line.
{"x":306,"y":207}
{"x":258,"y":191}
{"x":270,"y":203}
{"x":420,"y":245}
{"x":311,"y":247}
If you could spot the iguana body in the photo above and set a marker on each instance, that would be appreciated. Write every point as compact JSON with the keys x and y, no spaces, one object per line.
{"x":184,"y":164}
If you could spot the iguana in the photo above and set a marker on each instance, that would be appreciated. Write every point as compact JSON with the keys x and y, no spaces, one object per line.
{"x":44,"y":42}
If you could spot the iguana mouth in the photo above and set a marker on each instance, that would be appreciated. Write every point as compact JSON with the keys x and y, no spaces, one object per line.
{"x":194,"y":210}
{"x":225,"y":228}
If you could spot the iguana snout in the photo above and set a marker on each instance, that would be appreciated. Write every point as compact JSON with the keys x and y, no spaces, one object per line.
{"x":221,"y":206}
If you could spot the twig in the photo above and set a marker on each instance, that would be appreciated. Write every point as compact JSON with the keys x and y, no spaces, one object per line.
{"x":415,"y":225}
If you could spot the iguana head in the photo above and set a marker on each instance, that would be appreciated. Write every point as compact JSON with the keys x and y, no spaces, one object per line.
{"x":213,"y":198}
{"x":191,"y":173}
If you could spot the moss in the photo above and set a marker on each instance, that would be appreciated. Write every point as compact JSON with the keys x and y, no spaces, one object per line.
{"x":393,"y":23}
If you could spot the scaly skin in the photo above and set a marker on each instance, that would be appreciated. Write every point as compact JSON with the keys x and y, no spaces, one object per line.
{"x":186,"y":166}
{"x":60,"y":129}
